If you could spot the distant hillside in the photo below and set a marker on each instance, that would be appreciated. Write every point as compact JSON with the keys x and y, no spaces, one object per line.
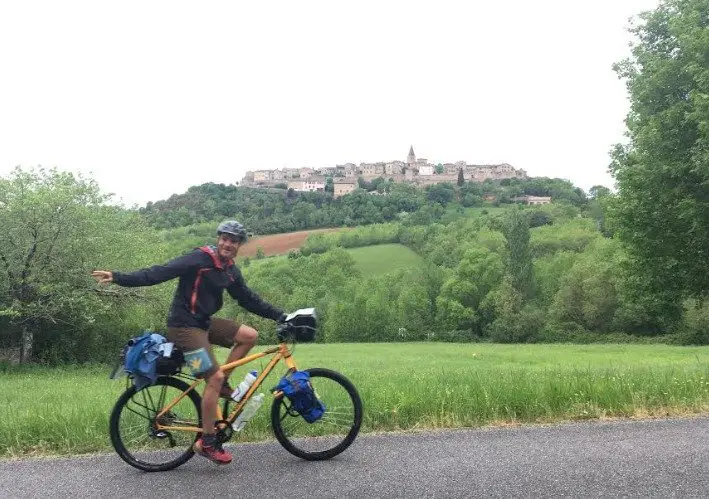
{"x":274,"y":211}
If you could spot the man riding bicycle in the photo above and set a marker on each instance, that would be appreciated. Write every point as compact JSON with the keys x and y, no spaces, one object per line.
{"x":204,"y":275}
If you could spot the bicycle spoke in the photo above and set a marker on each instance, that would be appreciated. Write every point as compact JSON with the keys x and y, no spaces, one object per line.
{"x":161,"y":400}
{"x":149,"y":394}
{"x":135,"y":426}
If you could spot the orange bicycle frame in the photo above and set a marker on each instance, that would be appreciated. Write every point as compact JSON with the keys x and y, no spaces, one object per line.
{"x":279,"y":353}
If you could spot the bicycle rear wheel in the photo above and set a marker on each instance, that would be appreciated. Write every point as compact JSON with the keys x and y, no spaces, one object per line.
{"x":133,"y":422}
{"x":331,"y":434}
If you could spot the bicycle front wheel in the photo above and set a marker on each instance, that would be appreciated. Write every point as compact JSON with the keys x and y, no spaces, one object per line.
{"x":133,"y":425}
{"x":332,"y":433}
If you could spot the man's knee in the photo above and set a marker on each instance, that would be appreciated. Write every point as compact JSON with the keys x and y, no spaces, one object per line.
{"x":216,"y":378}
{"x":246,"y":335}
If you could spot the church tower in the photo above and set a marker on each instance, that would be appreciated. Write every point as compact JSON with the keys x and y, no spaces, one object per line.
{"x":411,"y":158}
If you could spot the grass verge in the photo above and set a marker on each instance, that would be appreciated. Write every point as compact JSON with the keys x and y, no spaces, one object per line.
{"x":403,"y":386}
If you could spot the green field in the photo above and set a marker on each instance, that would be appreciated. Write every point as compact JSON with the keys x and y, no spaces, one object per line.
{"x":403,"y":386}
{"x":384,"y":258}
{"x":484,"y":211}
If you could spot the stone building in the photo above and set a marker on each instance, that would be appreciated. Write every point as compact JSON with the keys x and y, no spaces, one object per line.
{"x":344,"y":186}
{"x":411,"y":158}
{"x":309,"y":184}
{"x":532,"y":199}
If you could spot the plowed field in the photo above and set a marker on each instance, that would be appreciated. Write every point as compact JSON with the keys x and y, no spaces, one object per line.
{"x":278,"y":244}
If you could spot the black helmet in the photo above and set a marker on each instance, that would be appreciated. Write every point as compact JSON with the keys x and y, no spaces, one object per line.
{"x":234,"y":228}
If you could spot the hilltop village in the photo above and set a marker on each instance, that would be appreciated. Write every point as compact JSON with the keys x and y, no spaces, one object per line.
{"x":417,"y":171}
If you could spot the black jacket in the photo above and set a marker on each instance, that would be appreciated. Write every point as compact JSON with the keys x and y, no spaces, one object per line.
{"x":199,"y":294}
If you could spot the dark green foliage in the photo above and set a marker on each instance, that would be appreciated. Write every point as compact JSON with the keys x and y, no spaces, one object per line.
{"x":662,"y":208}
{"x":518,"y":265}
{"x":440,"y":193}
{"x":539,"y":218}
{"x":272,"y":211}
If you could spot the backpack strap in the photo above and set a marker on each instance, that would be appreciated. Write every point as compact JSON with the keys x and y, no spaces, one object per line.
{"x":211,"y":251}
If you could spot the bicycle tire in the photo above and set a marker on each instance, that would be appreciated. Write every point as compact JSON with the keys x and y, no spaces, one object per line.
{"x":122,"y":407}
{"x":295,"y":445}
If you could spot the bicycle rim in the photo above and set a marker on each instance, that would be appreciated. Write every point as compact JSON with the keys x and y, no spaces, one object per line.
{"x":331,"y":434}
{"x":133,"y":425}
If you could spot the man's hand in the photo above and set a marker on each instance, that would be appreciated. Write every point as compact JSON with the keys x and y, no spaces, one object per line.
{"x":102,"y":276}
{"x":282,"y":327}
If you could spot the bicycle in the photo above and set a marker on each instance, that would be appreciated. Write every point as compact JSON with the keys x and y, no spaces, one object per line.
{"x":153,"y":429}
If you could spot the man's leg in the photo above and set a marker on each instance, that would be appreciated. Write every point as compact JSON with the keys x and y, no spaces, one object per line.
{"x":238,"y":337}
{"x":200,"y":359}
{"x":207,"y":446}
{"x":210,"y":397}
{"x":244,"y":341}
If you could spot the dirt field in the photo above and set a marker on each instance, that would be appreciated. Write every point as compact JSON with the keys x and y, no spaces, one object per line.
{"x":278,"y":244}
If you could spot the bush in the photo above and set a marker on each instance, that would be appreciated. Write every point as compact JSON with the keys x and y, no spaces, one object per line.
{"x":694,"y":328}
{"x":539,"y":218}
{"x":522,"y":327}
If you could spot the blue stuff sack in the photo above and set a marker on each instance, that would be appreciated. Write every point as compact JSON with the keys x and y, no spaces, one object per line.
{"x":296,"y":386}
{"x":141,"y":357}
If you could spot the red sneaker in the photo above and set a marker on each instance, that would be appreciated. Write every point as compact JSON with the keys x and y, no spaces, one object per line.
{"x":214,"y":453}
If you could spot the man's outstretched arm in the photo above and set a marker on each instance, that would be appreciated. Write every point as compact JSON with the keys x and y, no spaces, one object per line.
{"x":153,"y":275}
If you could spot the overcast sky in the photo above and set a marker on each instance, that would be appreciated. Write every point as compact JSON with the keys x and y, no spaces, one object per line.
{"x":153,"y":97}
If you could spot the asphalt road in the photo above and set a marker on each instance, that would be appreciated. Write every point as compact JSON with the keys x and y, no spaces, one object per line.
{"x":666,"y":458}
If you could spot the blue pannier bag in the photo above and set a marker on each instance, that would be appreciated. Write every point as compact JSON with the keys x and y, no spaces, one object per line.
{"x":141,"y":357}
{"x":296,"y":386}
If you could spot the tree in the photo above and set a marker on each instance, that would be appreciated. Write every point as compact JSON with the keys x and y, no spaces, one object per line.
{"x":56,"y":229}
{"x":519,"y":259}
{"x":539,"y":218}
{"x":461,"y":178}
{"x":478,"y":272}
{"x":440,"y":193}
{"x":662,"y":174}
{"x":599,"y":191}
{"x":597,"y":207}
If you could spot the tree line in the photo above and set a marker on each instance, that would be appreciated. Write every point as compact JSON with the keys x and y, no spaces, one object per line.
{"x":273,"y":211}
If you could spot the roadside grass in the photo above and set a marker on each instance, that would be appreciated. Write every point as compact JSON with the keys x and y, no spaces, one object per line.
{"x":403,"y":386}
{"x":381,"y":259}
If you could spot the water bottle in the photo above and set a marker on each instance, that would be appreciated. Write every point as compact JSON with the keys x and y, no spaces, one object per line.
{"x":249,"y":410}
{"x":244,"y":386}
